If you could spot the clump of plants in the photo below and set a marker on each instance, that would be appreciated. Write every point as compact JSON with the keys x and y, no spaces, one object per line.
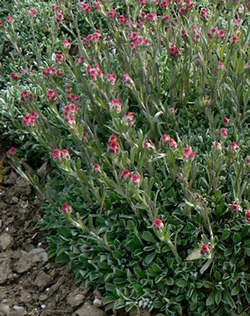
{"x":143,"y":123}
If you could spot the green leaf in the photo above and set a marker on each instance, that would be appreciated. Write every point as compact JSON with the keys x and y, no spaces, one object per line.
{"x":236,"y":237}
{"x":210,"y":300}
{"x":227,"y":298}
{"x":148,"y":236}
{"x":235,"y":290}
{"x":110,"y":287}
{"x":217,"y":275}
{"x":182,"y":283}
{"x":149,"y":258}
{"x":218,"y":297}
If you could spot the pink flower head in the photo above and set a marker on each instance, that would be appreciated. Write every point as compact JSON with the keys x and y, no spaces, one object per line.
{"x":235,"y":40}
{"x":56,"y":155}
{"x":29,"y":120}
{"x":60,"y":58}
{"x":234,"y":147}
{"x":235,"y":206}
{"x":59,"y":17}
{"x":111,"y":78}
{"x":150,"y":17}
{"x":68,"y":87}
{"x":158,"y":224}
{"x":205,"y":250}
{"x":148,"y":144}
{"x":116,"y":105}
{"x":188,"y":153}
{"x":218,"y":145}
{"x":14,"y":76}
{"x":184,"y":33}
{"x":65,"y":155}
{"x":97,"y":4}
{"x":25,"y":95}
{"x":85,"y":7}
{"x":183,"y":11}
{"x":127,"y":80}
{"x":204,"y":15}
{"x":136,"y":179}
{"x":66,"y":44}
{"x":223,"y":133}
{"x":112,"y":14}
{"x":221,"y":65}
{"x":71,"y":109}
{"x":11,"y":152}
{"x":248,"y":215}
{"x":165,"y":138}
{"x":142,"y":2}
{"x":33,"y":13}
{"x":226,"y":120}
{"x":113,"y":145}
{"x":55,"y":8}
{"x":197,"y":196}
{"x":97,"y":168}
{"x":9,"y":19}
{"x":125,"y":174}
{"x":51,"y":95}
{"x":197,"y":37}
{"x":70,"y":120}
{"x":129,"y":118}
{"x":174,"y":51}
{"x":85,"y":136}
{"x":66,"y":209}
{"x":247,"y":161}
{"x":122,"y":19}
{"x":95,"y":72}
{"x":172,"y":143}
{"x":1,"y":23}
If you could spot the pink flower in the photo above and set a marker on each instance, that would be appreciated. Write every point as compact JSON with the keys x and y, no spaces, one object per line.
{"x":14,"y":76}
{"x":136,"y":179}
{"x":9,"y":19}
{"x":125,"y":174}
{"x":247,"y":161}
{"x":65,"y":155}
{"x":55,"y":8}
{"x":218,"y":145}
{"x":172,"y":143}
{"x":205,"y":250}
{"x":85,"y":7}
{"x":188,"y":153}
{"x":85,"y":136}
{"x":158,"y":224}
{"x":127,"y":80}
{"x":59,"y":17}
{"x":129,"y":118}
{"x":66,"y":44}
{"x":1,"y":23}
{"x":29,"y":120}
{"x":25,"y":95}
{"x":113,"y":145}
{"x":60,"y":58}
{"x":248,"y":215}
{"x":148,"y":144}
{"x":97,"y":4}
{"x":111,"y":78}
{"x":97,"y":168}
{"x":94,"y":73}
{"x":116,"y":105}
{"x":56,"y":155}
{"x":68,"y":87}
{"x":226,"y":120}
{"x":204,"y":15}
{"x":70,"y":110}
{"x":122,"y":19}
{"x":174,"y":51}
{"x":165,"y":138}
{"x":66,"y":209}
{"x":142,"y":2}
{"x":223,"y":133}
{"x":234,"y":147}
{"x":112,"y":14}
{"x":33,"y":13}
{"x":221,"y":65}
{"x":197,"y":196}
{"x":235,"y":206}
{"x":11,"y":152}
{"x":70,"y":120}
{"x":235,"y":40}
{"x":51,"y":95}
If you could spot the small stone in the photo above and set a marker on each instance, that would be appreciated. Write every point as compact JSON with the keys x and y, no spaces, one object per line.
{"x":5,"y":270}
{"x":76,"y":297}
{"x":42,"y":279}
{"x":87,"y":309}
{"x":97,"y":302}
{"x":14,"y":200}
{"x":43,"y":306}
{"x":17,"y":308}
{"x":25,"y":297}
{"x":43,"y":297}
{"x":5,"y":241}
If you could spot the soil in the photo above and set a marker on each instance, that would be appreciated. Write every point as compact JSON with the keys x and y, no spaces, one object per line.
{"x":30,"y":282}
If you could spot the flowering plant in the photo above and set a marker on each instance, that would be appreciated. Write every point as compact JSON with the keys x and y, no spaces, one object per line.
{"x":143,"y":123}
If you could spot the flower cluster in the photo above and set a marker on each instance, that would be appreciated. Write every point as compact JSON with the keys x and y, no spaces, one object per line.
{"x":137,"y":40}
{"x":69,"y":114}
{"x":30,"y":119}
{"x":60,"y":155}
{"x":113,"y":145}
{"x":47,"y":72}
{"x":92,"y":38}
{"x":26,"y":95}
{"x":94,"y":72}
{"x":116,"y":106}
{"x":169,"y":141}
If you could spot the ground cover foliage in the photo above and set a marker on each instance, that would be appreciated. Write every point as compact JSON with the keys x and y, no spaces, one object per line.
{"x":140,"y":113}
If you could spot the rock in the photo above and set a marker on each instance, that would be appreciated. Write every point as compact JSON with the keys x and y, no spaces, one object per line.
{"x":5,"y":241}
{"x":23,"y":264}
{"x":76,"y":297}
{"x":89,"y":309}
{"x":19,"y":309}
{"x":14,"y":200}
{"x":25,"y":297}
{"x":4,"y":309}
{"x":42,"y":279}
{"x":139,"y":312}
{"x":38,"y":254}
{"x":43,"y":297}
{"x":5,"y":270}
